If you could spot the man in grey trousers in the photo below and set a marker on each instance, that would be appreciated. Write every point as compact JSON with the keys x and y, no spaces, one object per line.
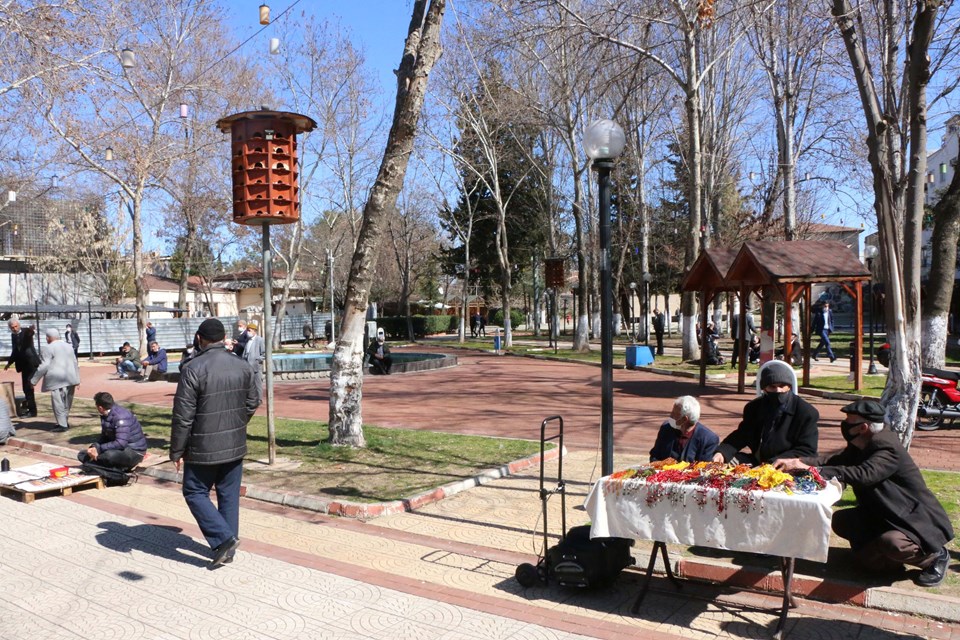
{"x":61,"y":375}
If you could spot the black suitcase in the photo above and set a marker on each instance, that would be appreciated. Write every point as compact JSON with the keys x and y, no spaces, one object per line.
{"x":579,"y":561}
{"x":575,"y":561}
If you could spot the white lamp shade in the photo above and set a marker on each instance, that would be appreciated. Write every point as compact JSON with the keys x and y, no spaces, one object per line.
{"x":264,"y":14}
{"x":870,"y":251}
{"x":604,"y":140}
{"x":127,"y":59}
{"x":274,"y":45}
{"x":108,"y":154}
{"x":11,"y":196}
{"x":54,"y":182}
{"x":183,"y":110}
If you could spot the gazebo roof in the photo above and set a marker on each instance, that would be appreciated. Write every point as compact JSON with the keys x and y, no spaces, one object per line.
{"x":709,"y":271}
{"x":798,"y":261}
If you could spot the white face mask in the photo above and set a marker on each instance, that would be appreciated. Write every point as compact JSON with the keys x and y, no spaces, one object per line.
{"x":673,"y":423}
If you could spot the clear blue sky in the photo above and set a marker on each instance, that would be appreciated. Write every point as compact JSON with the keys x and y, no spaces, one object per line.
{"x":376,"y":26}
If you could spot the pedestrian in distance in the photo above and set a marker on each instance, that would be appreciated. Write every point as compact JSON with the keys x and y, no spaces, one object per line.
{"x":24,"y":357}
{"x":255,"y":353}
{"x":658,"y":327}
{"x":215,"y":399}
{"x":73,"y":339}
{"x":822,"y":325}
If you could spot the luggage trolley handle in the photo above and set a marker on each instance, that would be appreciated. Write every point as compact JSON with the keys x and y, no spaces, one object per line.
{"x":561,"y":486}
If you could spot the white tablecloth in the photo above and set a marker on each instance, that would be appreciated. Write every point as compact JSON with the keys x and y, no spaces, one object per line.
{"x":791,"y":526}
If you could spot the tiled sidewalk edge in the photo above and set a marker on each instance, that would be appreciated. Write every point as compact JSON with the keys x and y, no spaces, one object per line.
{"x":890,"y":599}
{"x":358,"y":510}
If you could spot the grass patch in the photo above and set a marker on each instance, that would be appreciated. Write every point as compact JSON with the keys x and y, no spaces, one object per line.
{"x":872,"y":385}
{"x":397,"y":463}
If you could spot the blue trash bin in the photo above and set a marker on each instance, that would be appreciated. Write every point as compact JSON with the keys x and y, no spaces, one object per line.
{"x":638,"y":355}
{"x":496,"y":343}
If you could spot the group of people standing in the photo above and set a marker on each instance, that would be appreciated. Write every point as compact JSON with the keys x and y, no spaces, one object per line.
{"x":897,"y":521}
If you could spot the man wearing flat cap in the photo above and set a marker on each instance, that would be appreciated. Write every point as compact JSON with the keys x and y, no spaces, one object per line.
{"x":778,"y":424}
{"x":215,"y":399}
{"x":897,"y":519}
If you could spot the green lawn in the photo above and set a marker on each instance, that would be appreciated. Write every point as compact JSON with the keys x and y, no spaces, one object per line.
{"x":396,"y":463}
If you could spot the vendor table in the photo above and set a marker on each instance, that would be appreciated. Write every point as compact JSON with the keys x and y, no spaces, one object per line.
{"x":767,"y":522}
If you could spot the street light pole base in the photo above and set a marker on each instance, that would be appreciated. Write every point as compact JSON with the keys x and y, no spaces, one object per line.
{"x":872,"y":370}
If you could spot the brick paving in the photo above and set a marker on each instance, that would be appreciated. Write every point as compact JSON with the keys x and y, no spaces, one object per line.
{"x":128,"y":562}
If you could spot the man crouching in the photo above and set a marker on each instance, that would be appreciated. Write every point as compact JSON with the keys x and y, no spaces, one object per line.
{"x":122,"y":444}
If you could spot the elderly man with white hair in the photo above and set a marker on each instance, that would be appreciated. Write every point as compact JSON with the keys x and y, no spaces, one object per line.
{"x":897,"y":520}
{"x":61,"y":376}
{"x":682,"y":437}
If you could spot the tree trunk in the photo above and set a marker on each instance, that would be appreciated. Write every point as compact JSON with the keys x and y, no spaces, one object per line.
{"x":688,"y":302}
{"x":421,"y":50}
{"x":943,"y":272}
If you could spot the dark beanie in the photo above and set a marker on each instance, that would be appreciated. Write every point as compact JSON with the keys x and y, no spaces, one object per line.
{"x":776,"y":373}
{"x":211,"y":330}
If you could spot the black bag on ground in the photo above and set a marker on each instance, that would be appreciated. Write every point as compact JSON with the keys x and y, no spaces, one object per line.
{"x":579,"y":561}
{"x":112,"y":476}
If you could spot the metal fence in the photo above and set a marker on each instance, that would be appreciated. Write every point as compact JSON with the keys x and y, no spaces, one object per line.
{"x":101,"y":335}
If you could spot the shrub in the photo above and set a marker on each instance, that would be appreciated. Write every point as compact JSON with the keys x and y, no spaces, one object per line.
{"x":516,"y":317}
{"x":395,"y":327}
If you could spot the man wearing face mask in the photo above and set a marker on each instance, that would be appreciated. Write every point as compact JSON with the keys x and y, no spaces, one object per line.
{"x":682,"y":437}
{"x":897,"y":519}
{"x":778,"y":424}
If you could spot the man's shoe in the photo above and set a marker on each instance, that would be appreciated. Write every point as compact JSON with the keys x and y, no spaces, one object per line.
{"x":936,"y":572}
{"x":815,"y":358}
{"x":220,"y":553}
{"x":229,"y":558}
{"x":833,"y":359}
{"x":59,"y":429}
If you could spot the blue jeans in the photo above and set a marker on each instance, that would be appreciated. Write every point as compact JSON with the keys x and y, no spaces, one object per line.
{"x":221,"y":522}
{"x":824,"y":342}
{"x":127,"y":366}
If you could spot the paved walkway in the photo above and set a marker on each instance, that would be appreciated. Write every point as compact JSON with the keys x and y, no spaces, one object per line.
{"x":128,"y":562}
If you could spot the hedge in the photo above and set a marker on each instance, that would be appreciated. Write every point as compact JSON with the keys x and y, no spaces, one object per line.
{"x":395,"y":327}
{"x":516,"y":318}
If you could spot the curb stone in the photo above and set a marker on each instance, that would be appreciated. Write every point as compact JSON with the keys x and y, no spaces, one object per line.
{"x":347,"y":509}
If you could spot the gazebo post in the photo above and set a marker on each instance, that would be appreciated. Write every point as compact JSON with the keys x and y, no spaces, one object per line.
{"x":742,"y":343}
{"x":788,"y":323}
{"x":858,"y":340}
{"x":807,"y":294}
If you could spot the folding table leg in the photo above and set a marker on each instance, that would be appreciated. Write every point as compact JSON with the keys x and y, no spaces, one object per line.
{"x":786,"y":570}
{"x":662,"y":548}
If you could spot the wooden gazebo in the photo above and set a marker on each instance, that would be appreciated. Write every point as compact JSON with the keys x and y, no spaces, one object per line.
{"x":708,"y":276}
{"x":784,"y":272}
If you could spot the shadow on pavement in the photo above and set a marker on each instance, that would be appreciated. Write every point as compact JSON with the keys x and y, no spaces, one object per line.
{"x":161,"y":541}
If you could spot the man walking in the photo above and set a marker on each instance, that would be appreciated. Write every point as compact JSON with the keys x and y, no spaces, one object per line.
{"x":24,"y":358}
{"x":73,"y":339}
{"x":215,"y":399}
{"x":61,"y":375}
{"x":822,"y":325}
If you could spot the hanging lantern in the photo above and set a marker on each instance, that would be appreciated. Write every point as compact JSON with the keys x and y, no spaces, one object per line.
{"x":264,"y":14}
{"x":183,"y":110}
{"x":54,"y":182}
{"x":127,"y":59}
{"x":274,"y":45}
{"x":108,"y":154}
{"x":11,"y":196}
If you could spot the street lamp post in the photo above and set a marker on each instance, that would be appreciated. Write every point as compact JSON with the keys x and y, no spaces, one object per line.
{"x":633,"y":328}
{"x":646,"y":307}
{"x":603,"y":142}
{"x":869,"y":253}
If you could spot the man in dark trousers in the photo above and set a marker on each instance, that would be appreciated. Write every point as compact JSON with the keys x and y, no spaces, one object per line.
{"x":822,"y":325}
{"x":897,"y":519}
{"x":73,"y":339}
{"x":749,"y":330}
{"x":26,"y":363}
{"x":778,"y":424}
{"x":658,"y":324}
{"x":122,"y":444}
{"x":215,"y":399}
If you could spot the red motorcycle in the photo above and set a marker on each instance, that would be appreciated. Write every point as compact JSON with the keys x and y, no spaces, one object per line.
{"x":939,"y":399}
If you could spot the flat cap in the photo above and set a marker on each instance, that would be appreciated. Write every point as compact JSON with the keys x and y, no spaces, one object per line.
{"x":868,"y":409}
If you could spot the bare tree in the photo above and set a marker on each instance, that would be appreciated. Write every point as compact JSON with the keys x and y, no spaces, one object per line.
{"x":420,"y":53}
{"x":414,"y":246}
{"x":893,"y":97}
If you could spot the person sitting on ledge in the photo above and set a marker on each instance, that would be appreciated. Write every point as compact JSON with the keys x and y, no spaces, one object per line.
{"x":122,"y":444}
{"x":682,"y":437}
{"x":128,"y":362}
{"x":897,"y":520}
{"x":379,"y":352}
{"x":155,"y":362}
{"x":778,"y":424}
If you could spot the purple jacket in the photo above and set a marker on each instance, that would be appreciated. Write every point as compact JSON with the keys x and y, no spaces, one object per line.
{"x":120,"y":429}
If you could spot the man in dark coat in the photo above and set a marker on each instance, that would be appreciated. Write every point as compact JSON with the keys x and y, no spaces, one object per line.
{"x":240,"y":338}
{"x":682,"y":437}
{"x":379,"y":355}
{"x":658,"y":326}
{"x":122,"y":444}
{"x":822,"y":325}
{"x":778,"y":424}
{"x":897,"y":519}
{"x":72,"y":338}
{"x":215,"y":399}
{"x":749,"y":330}
{"x":25,"y":359}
